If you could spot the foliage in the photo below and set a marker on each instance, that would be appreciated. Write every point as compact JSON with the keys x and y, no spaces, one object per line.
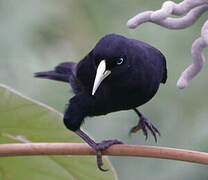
{"x":26,"y":120}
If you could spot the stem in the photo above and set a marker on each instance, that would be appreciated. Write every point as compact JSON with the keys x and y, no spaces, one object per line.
{"x":114,"y":150}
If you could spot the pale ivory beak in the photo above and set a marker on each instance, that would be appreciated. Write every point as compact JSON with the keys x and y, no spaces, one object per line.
{"x":101,"y":74}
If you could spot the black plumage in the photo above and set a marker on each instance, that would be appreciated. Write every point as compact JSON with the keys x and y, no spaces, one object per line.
{"x":118,"y":74}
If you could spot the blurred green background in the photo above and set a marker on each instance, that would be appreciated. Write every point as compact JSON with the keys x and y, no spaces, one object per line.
{"x":36,"y":35}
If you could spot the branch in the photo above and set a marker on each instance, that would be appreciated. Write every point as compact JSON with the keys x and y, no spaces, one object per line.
{"x":114,"y":150}
{"x":193,"y":10}
{"x":168,"y":22}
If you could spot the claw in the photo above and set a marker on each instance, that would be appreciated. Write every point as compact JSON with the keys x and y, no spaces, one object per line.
{"x":99,"y":147}
{"x":144,"y":124}
{"x":100,"y":161}
{"x":155,"y":129}
{"x":153,"y":132}
{"x":144,"y":129}
{"x":102,"y":146}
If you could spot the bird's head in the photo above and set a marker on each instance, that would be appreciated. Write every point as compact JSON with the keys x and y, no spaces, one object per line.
{"x":111,"y":59}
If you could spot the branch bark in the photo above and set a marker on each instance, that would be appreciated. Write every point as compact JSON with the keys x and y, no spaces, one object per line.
{"x":115,"y":150}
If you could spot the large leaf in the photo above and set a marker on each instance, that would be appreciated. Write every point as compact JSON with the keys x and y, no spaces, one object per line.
{"x":23,"y":120}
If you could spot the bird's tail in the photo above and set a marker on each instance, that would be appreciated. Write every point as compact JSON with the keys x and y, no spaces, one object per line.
{"x":63,"y":72}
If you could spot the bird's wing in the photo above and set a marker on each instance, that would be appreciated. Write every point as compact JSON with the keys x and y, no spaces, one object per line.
{"x":156,"y":58}
{"x":164,"y":75}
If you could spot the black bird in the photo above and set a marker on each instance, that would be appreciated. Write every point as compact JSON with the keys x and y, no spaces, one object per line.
{"x":118,"y":74}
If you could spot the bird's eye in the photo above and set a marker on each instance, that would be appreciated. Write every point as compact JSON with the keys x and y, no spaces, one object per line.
{"x":119,"y":61}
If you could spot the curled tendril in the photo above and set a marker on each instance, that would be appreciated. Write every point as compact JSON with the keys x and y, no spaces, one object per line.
{"x":191,"y":10}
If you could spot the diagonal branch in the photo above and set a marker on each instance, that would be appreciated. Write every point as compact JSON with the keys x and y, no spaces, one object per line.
{"x":115,"y":150}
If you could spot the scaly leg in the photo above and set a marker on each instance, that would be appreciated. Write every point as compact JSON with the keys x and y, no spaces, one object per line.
{"x":144,"y":124}
{"x":99,"y":147}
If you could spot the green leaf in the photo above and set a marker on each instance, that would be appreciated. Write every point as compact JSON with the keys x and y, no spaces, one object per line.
{"x":25,"y":120}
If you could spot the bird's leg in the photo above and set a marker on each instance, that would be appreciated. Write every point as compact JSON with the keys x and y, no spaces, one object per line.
{"x":78,"y":108}
{"x":99,"y":147}
{"x":144,"y":124}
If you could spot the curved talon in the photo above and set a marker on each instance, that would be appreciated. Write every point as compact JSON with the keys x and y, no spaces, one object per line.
{"x":156,"y":130}
{"x":99,"y":147}
{"x":153,"y":132}
{"x":151,"y":127}
{"x":144,"y":124}
{"x":102,"y":146}
{"x":100,"y":161}
{"x":144,"y":129}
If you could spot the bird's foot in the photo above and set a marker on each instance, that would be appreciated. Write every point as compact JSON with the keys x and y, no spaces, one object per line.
{"x":144,"y":124}
{"x":99,"y":147}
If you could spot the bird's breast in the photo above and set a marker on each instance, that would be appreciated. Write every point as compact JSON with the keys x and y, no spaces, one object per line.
{"x":121,"y":99}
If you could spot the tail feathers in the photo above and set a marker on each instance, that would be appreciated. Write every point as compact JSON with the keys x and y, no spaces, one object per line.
{"x":66,"y":68}
{"x":53,"y":76}
{"x":63,"y":72}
